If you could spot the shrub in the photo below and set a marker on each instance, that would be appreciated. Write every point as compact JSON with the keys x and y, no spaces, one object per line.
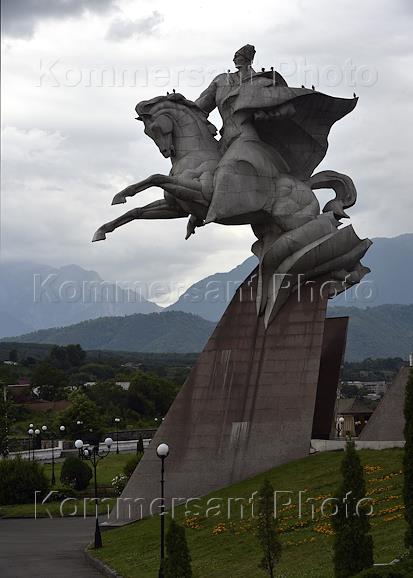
{"x":130,"y":465}
{"x":76,"y":473}
{"x":178,"y":559}
{"x":19,"y":480}
{"x":119,"y":483}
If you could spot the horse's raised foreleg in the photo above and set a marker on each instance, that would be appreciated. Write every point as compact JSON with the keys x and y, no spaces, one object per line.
{"x":190,"y":187}
{"x":161,"y":209}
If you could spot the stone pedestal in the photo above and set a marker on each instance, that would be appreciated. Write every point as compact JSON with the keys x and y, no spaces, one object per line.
{"x":247,"y":406}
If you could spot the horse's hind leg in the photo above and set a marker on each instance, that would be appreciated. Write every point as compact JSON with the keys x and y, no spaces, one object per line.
{"x":161,"y":209}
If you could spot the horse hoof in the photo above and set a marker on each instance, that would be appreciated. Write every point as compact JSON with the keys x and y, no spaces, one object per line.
{"x":118,"y":199}
{"x":98,"y":236}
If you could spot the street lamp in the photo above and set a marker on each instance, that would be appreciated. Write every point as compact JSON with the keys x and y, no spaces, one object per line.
{"x":94,"y":455}
{"x":5,"y":443}
{"x":30,"y":431}
{"x":162,"y":452}
{"x":79,"y":423}
{"x":339,"y":425}
{"x":36,"y":433}
{"x":117,"y":420}
{"x":53,"y":436}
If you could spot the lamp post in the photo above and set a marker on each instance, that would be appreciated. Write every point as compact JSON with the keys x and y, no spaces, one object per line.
{"x":339,"y":426}
{"x":30,"y":432}
{"x":162,"y":452}
{"x":35,"y":440}
{"x":62,"y":429}
{"x":79,"y":423}
{"x":94,"y":455}
{"x":5,"y":441}
{"x":117,"y":420}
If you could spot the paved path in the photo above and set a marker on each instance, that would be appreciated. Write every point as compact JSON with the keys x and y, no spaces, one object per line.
{"x":45,"y":548}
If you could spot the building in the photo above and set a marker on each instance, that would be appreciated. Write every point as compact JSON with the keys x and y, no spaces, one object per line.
{"x":356,"y":413}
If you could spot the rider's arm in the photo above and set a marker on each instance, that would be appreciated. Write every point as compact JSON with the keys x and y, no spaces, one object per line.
{"x":207,"y":99}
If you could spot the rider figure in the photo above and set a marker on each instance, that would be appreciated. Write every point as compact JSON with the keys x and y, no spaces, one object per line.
{"x":216,"y":95}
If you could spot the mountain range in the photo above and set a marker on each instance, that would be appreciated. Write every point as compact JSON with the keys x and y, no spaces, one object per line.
{"x":35,"y":296}
{"x":64,"y":305}
{"x":390,"y":281}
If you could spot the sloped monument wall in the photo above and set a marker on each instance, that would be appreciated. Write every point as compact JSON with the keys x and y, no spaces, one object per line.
{"x":246,"y":407}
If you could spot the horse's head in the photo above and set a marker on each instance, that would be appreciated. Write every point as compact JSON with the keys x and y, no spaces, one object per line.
{"x":159,"y":127}
{"x":160,"y":115}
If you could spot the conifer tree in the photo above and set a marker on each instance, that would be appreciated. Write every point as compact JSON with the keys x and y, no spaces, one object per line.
{"x":408,"y":461}
{"x":267,"y":529}
{"x":178,"y":559}
{"x":353,"y":544}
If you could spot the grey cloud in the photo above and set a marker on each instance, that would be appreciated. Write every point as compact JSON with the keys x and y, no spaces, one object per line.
{"x":57,"y":189}
{"x":19,"y":17}
{"x":121,"y":29}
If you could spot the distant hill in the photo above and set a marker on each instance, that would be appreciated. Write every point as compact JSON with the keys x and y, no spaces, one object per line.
{"x":210,"y":296}
{"x":172,"y":331}
{"x":391,"y":277}
{"x":390,"y":281}
{"x":35,"y":296}
{"x":383,"y":331}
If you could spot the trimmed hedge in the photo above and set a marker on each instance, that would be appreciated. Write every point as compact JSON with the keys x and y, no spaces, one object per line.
{"x":19,"y":480}
{"x":76,"y":473}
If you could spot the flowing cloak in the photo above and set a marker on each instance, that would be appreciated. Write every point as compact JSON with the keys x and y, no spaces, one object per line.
{"x":300,"y":139}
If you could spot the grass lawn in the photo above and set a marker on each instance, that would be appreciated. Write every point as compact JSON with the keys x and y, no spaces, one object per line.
{"x":108,"y":468}
{"x":223,"y":548}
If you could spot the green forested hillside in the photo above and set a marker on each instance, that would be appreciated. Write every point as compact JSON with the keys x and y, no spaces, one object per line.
{"x":383,"y":331}
{"x":172,"y":331}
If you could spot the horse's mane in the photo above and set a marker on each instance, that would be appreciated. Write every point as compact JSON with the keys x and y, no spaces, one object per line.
{"x":145,"y":107}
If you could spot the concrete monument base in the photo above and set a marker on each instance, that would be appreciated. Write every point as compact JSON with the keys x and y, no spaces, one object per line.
{"x":247,"y":406}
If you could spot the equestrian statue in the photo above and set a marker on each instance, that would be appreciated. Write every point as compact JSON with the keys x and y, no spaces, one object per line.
{"x":259,"y":172}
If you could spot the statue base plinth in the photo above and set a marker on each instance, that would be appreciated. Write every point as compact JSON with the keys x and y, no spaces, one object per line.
{"x":247,"y":406}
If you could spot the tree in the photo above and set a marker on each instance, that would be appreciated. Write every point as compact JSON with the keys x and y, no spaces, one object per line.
{"x":353,"y":544}
{"x":84,"y":410}
{"x":178,"y":559}
{"x":5,"y":407}
{"x":150,"y":395}
{"x":109,"y":396}
{"x":349,"y":390}
{"x":267,"y":529}
{"x":14,"y":355}
{"x":50,"y":380}
{"x":65,"y":357}
{"x":408,"y":461}
{"x":75,"y":355}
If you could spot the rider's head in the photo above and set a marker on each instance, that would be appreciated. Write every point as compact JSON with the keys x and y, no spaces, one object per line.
{"x":244,"y":56}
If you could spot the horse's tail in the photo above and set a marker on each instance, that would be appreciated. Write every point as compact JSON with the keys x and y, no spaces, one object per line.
{"x":344,"y":188}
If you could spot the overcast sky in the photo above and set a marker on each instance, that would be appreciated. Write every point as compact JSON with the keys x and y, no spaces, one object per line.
{"x":74,"y":70}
